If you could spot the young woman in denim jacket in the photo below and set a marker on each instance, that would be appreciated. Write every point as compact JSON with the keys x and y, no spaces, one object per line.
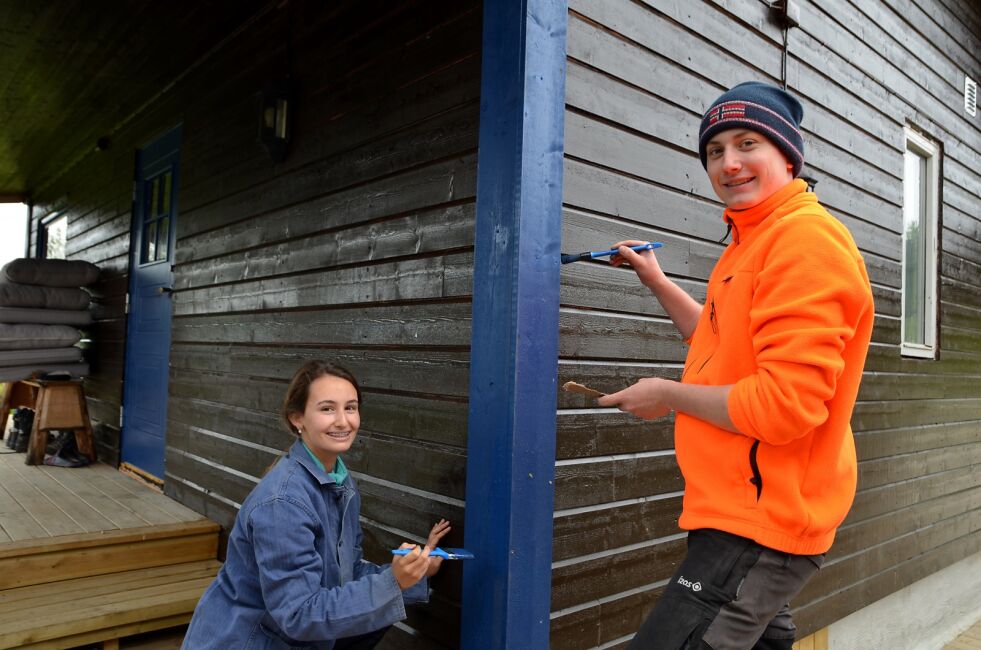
{"x":294,"y":576}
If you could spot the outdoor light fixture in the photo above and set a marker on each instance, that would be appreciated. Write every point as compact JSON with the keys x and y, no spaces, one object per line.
{"x":274,"y":127}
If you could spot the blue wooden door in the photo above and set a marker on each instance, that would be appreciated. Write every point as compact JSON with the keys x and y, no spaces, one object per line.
{"x":145,"y":382}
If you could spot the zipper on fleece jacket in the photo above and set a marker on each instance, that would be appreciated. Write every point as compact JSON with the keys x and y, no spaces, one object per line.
{"x":731,"y":227}
{"x":757,"y":479}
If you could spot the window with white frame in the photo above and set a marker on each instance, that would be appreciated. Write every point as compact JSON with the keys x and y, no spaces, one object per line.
{"x":921,"y":207}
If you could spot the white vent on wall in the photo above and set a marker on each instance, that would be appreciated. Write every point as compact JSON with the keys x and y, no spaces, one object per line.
{"x":970,"y":96}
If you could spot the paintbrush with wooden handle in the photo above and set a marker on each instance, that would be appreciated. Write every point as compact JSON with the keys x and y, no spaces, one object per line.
{"x":573,"y":387}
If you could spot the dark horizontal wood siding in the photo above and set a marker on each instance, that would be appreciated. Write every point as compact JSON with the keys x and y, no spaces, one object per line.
{"x":357,"y":248}
{"x":640,"y":74}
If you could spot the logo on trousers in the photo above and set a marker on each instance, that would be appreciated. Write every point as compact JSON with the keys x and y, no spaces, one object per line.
{"x":694,"y":586}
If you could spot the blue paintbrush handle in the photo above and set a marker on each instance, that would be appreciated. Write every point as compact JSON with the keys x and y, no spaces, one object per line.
{"x":448,"y":554}
{"x":640,"y":247}
{"x":568,"y":258}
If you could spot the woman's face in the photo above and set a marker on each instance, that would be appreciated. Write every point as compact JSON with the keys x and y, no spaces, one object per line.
{"x":331,"y":418}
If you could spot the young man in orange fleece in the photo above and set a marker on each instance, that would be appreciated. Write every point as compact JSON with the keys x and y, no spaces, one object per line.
{"x":762,"y":430}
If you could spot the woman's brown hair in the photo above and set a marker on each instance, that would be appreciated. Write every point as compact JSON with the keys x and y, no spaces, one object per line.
{"x":299,"y":388}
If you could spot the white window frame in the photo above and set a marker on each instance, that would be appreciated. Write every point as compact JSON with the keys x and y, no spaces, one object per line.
{"x":919,"y":146}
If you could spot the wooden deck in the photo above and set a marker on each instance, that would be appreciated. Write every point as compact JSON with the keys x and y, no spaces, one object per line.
{"x":92,"y":555}
{"x":42,"y":502}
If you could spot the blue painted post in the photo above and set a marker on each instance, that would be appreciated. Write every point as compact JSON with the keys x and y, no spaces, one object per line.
{"x":514,"y":353}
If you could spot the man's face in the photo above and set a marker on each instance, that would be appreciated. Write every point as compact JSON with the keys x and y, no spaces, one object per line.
{"x":745,"y":167}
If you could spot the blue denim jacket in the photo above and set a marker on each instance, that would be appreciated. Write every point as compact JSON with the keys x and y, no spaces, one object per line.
{"x":294,"y":576}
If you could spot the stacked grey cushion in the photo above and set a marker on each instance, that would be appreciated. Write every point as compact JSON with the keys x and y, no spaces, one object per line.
{"x":41,"y":306}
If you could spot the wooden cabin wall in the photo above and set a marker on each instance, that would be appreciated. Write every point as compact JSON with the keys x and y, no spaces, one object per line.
{"x":357,"y":248}
{"x":640,"y":74}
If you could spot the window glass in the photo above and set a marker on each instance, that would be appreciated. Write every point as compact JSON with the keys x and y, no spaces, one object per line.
{"x":56,"y":236}
{"x":920,"y":250}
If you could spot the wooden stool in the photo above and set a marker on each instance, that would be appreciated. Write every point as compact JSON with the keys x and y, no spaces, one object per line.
{"x":60,"y":405}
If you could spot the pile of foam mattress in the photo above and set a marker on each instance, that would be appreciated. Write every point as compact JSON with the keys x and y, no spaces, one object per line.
{"x":42,"y":307}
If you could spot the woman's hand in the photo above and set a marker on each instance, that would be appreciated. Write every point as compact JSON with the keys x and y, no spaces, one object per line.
{"x":644,"y":263}
{"x":410,"y":569}
{"x":437,"y":533}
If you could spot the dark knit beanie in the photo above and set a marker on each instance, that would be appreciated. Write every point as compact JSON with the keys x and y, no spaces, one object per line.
{"x":766,"y":109}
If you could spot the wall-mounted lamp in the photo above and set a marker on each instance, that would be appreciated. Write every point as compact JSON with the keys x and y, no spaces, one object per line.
{"x":274,"y":126}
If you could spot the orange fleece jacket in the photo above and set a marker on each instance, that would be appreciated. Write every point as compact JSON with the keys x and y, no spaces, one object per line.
{"x":787,"y":321}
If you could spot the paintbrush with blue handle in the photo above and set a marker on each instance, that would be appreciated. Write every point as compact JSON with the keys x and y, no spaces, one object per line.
{"x":568,"y":258}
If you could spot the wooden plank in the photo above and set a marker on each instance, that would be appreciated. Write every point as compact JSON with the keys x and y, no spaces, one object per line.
{"x":70,"y":592}
{"x":107,"y":611}
{"x":875,"y":473}
{"x":686,"y":47}
{"x":853,"y":538}
{"x":76,"y":562}
{"x":586,"y":580}
{"x":596,"y":335}
{"x":602,"y":480}
{"x":201,"y":527}
{"x":48,"y":515}
{"x":435,"y":468}
{"x":608,"y":527}
{"x":596,"y":190}
{"x":893,"y":442}
{"x":442,"y":324}
{"x":16,"y":522}
{"x":45,"y":480}
{"x":151,"y":500}
{"x":115,"y":490}
{"x":213,"y":475}
{"x":582,"y":434}
{"x":424,"y":278}
{"x":115,"y":632}
{"x":207,"y":503}
{"x":602,"y":621}
{"x":878,"y":501}
{"x":898,"y":414}
{"x":278,"y":217}
{"x":426,"y":231}
{"x":433,"y":372}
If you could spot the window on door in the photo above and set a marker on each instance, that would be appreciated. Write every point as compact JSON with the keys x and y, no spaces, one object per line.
{"x":156,"y":217}
{"x":921,"y":208}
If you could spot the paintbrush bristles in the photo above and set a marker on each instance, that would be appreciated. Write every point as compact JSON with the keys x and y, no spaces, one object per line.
{"x":573,"y":387}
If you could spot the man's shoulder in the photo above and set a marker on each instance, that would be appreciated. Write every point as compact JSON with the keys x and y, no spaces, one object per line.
{"x":810,"y":225}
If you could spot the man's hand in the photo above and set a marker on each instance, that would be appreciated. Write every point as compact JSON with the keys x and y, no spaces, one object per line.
{"x":653,"y":397}
{"x":647,"y":399}
{"x":644,"y":263}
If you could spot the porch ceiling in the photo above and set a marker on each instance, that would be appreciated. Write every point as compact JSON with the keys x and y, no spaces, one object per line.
{"x":72,"y":71}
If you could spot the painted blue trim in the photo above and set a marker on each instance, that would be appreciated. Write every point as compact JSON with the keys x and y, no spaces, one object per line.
{"x":514,"y":353}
